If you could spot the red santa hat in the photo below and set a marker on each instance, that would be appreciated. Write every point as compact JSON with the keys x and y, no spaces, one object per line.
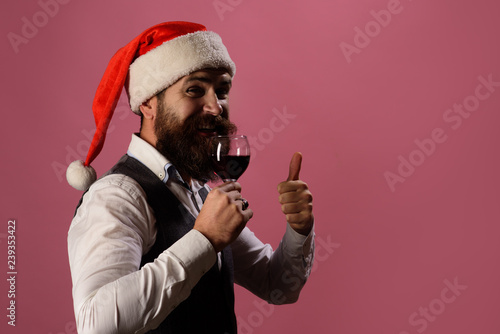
{"x":151,"y":62}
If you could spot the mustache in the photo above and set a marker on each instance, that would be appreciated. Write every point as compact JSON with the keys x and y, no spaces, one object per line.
{"x":221,"y":125}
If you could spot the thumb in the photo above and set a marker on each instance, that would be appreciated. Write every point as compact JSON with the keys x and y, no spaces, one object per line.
{"x":293,"y":172}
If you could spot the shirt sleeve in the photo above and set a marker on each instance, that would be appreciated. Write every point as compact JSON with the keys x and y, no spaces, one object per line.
{"x":111,"y":230}
{"x":275,"y":276}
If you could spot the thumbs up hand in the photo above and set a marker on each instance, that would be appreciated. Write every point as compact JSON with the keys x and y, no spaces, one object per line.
{"x":296,"y":199}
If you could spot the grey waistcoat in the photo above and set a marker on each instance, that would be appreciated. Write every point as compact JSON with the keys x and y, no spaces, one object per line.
{"x":210,"y":306}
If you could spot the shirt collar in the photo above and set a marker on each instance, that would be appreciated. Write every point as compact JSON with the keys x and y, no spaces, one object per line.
{"x":148,"y":156}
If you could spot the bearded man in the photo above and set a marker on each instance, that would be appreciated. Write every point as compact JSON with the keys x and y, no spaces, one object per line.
{"x":151,"y":247}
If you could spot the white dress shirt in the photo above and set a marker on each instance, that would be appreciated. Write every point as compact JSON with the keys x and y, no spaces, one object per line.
{"x":114,"y":227}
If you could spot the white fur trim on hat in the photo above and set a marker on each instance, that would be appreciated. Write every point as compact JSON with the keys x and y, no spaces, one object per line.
{"x":164,"y":65}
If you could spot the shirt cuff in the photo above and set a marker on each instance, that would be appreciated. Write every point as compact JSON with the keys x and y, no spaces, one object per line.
{"x":195,"y":252}
{"x":294,"y":240}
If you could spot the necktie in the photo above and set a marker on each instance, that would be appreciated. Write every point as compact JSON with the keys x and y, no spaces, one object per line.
{"x":203,"y":194}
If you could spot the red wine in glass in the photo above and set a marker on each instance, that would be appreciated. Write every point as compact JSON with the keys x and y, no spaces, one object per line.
{"x":230,"y":156}
{"x":231,"y":167}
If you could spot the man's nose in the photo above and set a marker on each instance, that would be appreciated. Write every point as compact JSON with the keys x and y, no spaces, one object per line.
{"x":212,"y":105}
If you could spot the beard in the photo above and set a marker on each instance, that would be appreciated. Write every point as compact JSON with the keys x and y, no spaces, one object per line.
{"x":184,"y":146}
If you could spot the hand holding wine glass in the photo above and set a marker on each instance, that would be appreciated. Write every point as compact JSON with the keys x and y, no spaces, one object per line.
{"x":218,"y":221}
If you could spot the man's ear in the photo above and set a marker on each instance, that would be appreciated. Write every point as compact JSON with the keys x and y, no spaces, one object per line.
{"x":149,"y":108}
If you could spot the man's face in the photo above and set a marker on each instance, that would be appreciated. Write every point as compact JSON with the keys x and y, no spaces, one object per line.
{"x":188,"y":114}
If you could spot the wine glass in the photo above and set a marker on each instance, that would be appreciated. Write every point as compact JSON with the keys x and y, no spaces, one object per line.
{"x":230,"y":156}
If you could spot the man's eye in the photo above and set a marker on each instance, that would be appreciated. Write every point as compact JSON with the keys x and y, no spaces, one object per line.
{"x":222,"y":93}
{"x":195,"y":91}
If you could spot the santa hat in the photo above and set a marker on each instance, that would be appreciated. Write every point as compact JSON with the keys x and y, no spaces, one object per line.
{"x":151,"y":62}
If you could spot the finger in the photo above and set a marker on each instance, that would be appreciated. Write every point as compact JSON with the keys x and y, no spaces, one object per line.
{"x":287,"y":186}
{"x":247,"y":214}
{"x":229,"y":186}
{"x":290,"y":208}
{"x":244,"y":203}
{"x":289,"y":197}
{"x":294,"y":169}
{"x":301,"y":218}
{"x":296,"y":207}
{"x":234,"y":196}
{"x":295,"y":196}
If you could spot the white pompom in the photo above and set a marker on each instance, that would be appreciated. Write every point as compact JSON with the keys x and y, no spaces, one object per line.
{"x":80,"y":176}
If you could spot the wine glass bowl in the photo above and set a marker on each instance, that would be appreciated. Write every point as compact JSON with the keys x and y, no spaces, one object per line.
{"x":230,"y":156}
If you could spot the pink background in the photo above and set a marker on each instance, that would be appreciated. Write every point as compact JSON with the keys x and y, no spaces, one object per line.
{"x":384,"y":256}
